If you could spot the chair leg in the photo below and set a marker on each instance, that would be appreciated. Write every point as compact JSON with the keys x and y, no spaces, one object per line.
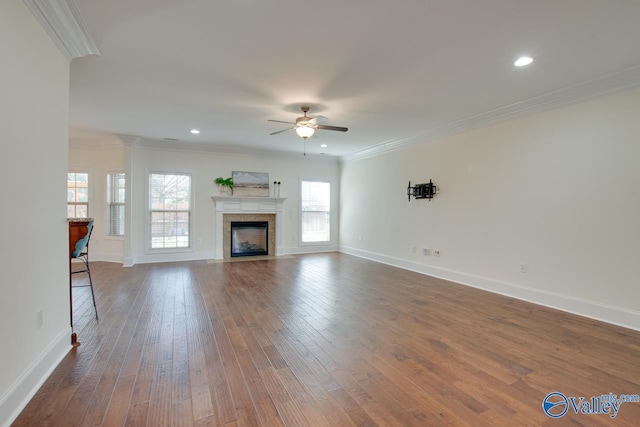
{"x":93,"y":297}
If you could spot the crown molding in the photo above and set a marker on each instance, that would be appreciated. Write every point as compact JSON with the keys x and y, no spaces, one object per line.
{"x":600,"y":86}
{"x":91,"y":139}
{"x":154,"y":144}
{"x":95,"y":144}
{"x":62,"y":21}
{"x":128,"y":140}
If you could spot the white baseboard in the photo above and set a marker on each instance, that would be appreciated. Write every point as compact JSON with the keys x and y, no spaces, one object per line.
{"x":199,"y":256}
{"x":98,"y":256}
{"x":14,"y":400}
{"x":299,"y":250}
{"x":168,"y":257}
{"x":594,"y":310}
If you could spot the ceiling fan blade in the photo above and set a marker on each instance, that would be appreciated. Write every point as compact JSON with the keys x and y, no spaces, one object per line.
{"x":318,"y":119}
{"x":338,"y":128}
{"x":280,"y":131}
{"x":280,"y":121}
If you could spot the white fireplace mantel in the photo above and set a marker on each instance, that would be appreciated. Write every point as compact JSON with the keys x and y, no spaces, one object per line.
{"x":247,"y":205}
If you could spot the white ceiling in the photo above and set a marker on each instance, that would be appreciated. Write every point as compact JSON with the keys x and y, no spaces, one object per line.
{"x":391,"y":71}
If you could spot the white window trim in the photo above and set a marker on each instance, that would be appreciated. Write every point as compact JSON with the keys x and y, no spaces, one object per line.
{"x":331,"y":222}
{"x":147,"y":226}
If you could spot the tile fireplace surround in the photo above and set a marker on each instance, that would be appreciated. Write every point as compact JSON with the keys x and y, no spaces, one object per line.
{"x":245,"y":208}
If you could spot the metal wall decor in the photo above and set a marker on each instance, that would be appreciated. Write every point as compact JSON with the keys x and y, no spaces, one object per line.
{"x":422,"y":191}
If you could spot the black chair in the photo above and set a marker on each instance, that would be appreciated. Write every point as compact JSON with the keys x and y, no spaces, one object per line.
{"x":81,"y":252}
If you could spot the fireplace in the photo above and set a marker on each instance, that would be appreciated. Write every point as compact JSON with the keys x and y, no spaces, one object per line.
{"x":249,"y":238}
{"x":247,"y":209}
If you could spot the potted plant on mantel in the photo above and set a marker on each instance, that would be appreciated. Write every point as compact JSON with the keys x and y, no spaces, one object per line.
{"x":225,"y":185}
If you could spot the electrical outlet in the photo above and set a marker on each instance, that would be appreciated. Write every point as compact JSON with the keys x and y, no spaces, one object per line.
{"x":426,"y":251}
{"x":524,"y":267}
{"x":359,"y":238}
{"x":413,"y":250}
{"x":436,"y":252}
{"x":199,"y":240}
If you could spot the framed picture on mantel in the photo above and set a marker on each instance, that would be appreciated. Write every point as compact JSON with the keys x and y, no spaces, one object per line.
{"x":250,"y":184}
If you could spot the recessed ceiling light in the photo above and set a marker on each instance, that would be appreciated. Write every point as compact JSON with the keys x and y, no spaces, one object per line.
{"x":323,"y":145}
{"x":195,"y":131}
{"x":522,"y":61}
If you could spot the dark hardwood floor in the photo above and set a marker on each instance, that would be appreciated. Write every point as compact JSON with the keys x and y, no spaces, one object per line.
{"x":324,"y":340}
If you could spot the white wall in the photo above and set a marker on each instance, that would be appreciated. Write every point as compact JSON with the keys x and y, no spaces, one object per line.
{"x":98,"y":155}
{"x":558,"y":191}
{"x":205,"y":167}
{"x":34,"y":83}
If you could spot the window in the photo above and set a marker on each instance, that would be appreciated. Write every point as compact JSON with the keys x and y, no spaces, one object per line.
{"x":115,"y":203}
{"x":77,"y":195}
{"x":169,"y":210}
{"x":315,"y":208}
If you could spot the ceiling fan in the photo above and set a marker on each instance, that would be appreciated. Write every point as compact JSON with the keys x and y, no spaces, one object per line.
{"x":306,"y":126}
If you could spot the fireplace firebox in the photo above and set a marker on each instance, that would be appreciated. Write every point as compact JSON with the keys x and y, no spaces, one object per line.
{"x":249,"y":238}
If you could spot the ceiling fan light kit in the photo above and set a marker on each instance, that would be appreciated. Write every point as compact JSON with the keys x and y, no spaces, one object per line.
{"x":305,"y":131}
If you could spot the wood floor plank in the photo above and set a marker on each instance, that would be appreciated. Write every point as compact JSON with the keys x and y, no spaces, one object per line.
{"x":137,"y":414}
{"x":303,"y":398}
{"x":116,"y":414}
{"x":180,"y":382}
{"x":323,"y":340}
{"x":182,"y":414}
